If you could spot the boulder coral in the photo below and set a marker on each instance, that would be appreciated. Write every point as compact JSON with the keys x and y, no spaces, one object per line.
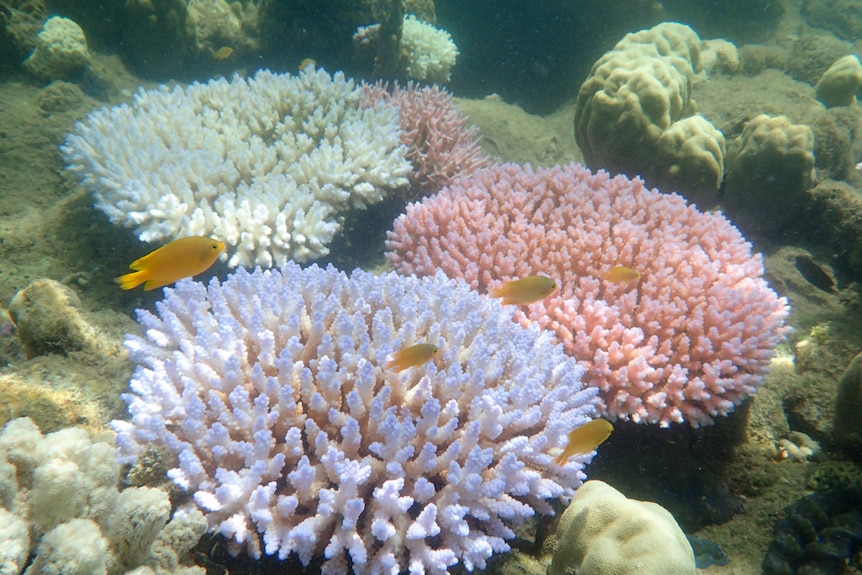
{"x":602,"y":532}
{"x":839,"y":84}
{"x":61,"y":50}
{"x":633,"y":95}
{"x":687,"y":341}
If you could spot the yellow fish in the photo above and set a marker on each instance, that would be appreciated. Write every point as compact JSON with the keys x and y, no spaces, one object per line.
{"x":307,"y":62}
{"x":585,"y":438}
{"x":622,"y":274}
{"x":413,"y":356}
{"x":223,"y":53}
{"x":525,"y":290}
{"x":173,"y":261}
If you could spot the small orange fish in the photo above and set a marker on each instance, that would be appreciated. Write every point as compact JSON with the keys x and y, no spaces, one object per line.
{"x":173,"y":261}
{"x":525,"y":290}
{"x":413,"y":356}
{"x":223,"y":53}
{"x":586,"y":438}
{"x":622,"y":274}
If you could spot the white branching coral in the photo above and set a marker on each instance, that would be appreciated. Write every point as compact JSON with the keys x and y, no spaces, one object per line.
{"x":268,"y":164}
{"x":272,"y":391}
{"x":430,"y":51}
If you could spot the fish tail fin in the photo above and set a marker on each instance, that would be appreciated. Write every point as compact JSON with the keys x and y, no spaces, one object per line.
{"x":131,"y":280}
{"x":496,"y":292}
{"x":561,"y":459}
{"x":502,"y":295}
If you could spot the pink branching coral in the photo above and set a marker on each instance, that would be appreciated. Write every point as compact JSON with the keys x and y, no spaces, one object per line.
{"x":687,"y":341}
{"x":440,"y":143}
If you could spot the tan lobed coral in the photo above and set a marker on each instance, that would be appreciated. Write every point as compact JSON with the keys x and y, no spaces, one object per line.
{"x":634,"y":94}
{"x":690,"y":154}
{"x":839,"y":84}
{"x":49,"y":319}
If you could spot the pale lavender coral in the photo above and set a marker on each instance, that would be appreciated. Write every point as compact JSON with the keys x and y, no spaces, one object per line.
{"x":272,"y":391}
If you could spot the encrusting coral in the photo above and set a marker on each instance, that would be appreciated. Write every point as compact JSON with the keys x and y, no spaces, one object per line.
{"x":59,"y":502}
{"x":687,"y":341}
{"x":272,"y":390}
{"x":269,"y":165}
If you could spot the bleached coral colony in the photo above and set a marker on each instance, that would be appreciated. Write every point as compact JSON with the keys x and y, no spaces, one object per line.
{"x":272,"y":390}
{"x":269,"y":164}
{"x":61,"y":510}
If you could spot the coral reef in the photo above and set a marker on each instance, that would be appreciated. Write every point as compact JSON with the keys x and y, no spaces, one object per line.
{"x":603,"y":532}
{"x":295,"y":439}
{"x":798,"y":446}
{"x":49,"y":319}
{"x":836,"y":212}
{"x":424,"y":52}
{"x":69,"y":365}
{"x":687,"y":341}
{"x":269,"y":164}
{"x":20,"y":24}
{"x":719,"y":56}
{"x":844,"y":17}
{"x":218,"y":23}
{"x":59,"y":501}
{"x":691,"y":152}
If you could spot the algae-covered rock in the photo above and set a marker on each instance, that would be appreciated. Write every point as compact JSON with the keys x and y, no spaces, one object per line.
{"x":769,"y":167}
{"x":49,"y":319}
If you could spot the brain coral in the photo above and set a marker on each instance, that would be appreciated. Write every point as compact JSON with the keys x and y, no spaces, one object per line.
{"x":271,"y":390}
{"x":269,"y":164}
{"x":687,"y":341}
